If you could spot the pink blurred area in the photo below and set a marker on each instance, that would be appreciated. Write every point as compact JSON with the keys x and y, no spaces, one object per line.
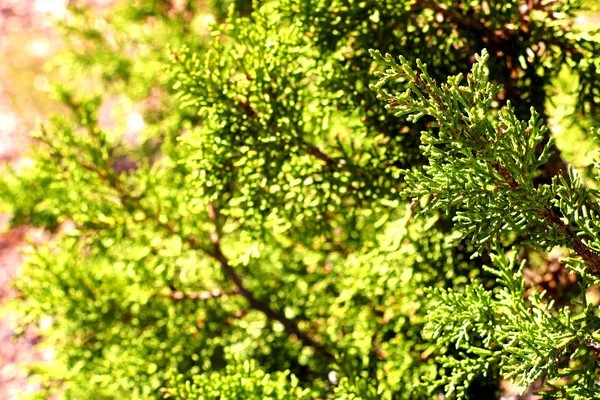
{"x":27,"y":40}
{"x":18,"y":19}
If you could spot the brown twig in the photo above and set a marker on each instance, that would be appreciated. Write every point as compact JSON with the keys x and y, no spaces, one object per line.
{"x":316,"y":152}
{"x":589,"y":256}
{"x":290,"y":326}
{"x":217,"y":254}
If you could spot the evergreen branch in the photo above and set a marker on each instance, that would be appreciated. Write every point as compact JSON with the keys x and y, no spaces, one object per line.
{"x":589,"y":256}
{"x":499,"y":194}
{"x":520,"y":334}
{"x":312,"y":150}
{"x":252,"y":114}
{"x":506,"y":43}
{"x":131,"y":204}
{"x":217,"y":254}
{"x":290,"y":326}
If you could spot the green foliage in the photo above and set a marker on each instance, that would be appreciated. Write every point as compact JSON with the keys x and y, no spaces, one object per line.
{"x":485,"y":176}
{"x":239,"y":381}
{"x":278,"y":230}
{"x":522,"y":335}
{"x":487,"y":171}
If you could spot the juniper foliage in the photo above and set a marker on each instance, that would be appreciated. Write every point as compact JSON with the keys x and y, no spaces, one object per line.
{"x":303,"y":218}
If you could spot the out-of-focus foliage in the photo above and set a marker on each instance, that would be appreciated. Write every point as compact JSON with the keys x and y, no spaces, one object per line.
{"x":239,"y":380}
{"x":253,"y":222}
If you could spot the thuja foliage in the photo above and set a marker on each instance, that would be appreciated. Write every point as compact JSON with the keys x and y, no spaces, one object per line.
{"x":484,"y":171}
{"x":300,"y":217}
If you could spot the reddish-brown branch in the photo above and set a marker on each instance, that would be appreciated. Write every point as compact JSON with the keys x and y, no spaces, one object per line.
{"x":216,"y":253}
{"x":256,"y":304}
{"x":290,"y":326}
{"x":589,"y":256}
{"x":316,"y":152}
{"x":506,"y":175}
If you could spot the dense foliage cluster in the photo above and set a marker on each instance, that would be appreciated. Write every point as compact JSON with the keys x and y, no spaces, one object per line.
{"x":303,"y":217}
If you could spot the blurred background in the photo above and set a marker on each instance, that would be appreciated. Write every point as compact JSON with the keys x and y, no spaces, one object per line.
{"x":27,"y":41}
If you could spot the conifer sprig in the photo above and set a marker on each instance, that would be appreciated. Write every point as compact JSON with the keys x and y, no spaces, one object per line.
{"x":522,"y":335}
{"x":484,"y":166}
